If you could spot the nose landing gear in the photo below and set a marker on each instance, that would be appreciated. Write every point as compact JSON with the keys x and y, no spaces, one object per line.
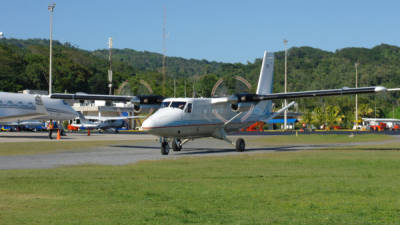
{"x":164,"y":146}
{"x":176,"y":144}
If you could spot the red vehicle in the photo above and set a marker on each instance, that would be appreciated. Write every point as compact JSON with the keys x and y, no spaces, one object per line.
{"x":380,"y":127}
{"x":258,"y":126}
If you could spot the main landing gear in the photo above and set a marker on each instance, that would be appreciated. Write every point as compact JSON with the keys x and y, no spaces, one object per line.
{"x":240,"y":145}
{"x":177,"y":144}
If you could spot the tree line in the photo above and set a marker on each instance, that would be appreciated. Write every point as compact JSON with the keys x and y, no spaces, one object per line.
{"x":24,"y":65}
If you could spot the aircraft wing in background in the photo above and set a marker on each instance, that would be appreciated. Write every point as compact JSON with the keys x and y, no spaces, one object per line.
{"x":105,"y":118}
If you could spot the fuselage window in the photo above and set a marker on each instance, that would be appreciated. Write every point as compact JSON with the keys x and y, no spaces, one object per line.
{"x":179,"y":105}
{"x":165,"y":104}
{"x":189,"y":108}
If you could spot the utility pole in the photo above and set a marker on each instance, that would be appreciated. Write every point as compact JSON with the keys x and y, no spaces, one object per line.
{"x":356,"y":66}
{"x":285,"y":113}
{"x":174,"y":88}
{"x":110,"y":68}
{"x":185,"y":88}
{"x":164,"y":36}
{"x":51,"y":9}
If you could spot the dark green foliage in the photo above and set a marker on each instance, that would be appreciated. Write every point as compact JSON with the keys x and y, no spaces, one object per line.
{"x":24,"y":65}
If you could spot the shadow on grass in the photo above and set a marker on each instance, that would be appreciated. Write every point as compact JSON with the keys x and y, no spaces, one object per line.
{"x":202,"y":150}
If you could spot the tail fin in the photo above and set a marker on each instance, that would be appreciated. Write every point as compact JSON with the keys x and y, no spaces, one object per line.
{"x":264,"y":87}
{"x":266,"y":74}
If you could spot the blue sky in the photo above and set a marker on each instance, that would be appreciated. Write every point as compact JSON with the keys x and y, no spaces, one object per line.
{"x":220,"y":30}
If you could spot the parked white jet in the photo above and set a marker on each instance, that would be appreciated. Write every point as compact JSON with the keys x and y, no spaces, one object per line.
{"x":182,"y":119}
{"x":16,"y":106}
{"x":101,"y":123}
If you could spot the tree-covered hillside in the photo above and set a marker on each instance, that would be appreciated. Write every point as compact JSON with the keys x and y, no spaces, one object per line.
{"x":24,"y":65}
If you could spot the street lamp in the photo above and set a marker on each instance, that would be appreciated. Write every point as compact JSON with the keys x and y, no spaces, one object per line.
{"x":51,"y":10}
{"x":110,"y":68}
{"x":285,"y":113}
{"x":356,"y":66}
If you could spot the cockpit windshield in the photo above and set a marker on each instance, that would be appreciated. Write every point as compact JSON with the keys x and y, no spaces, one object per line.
{"x":165,"y":104}
{"x":179,"y":105}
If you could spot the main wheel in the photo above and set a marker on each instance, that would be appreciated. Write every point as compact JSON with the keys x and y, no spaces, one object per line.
{"x":240,"y":145}
{"x":164,"y":148}
{"x":176,"y":145}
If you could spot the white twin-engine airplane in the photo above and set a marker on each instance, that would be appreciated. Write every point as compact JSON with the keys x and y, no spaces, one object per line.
{"x":16,"y":106}
{"x":180,"y":120}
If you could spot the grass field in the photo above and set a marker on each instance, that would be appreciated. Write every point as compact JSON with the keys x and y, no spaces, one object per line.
{"x":317,"y":139}
{"x":345,"y":186}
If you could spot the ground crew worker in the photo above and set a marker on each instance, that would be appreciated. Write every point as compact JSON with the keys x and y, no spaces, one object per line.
{"x":50,"y":127}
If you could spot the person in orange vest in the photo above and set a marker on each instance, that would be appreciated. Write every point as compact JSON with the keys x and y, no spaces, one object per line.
{"x":50,"y":127}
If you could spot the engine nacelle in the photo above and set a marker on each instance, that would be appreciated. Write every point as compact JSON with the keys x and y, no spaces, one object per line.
{"x":241,"y":107}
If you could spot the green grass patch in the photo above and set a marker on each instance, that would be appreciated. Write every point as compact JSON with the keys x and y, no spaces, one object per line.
{"x":317,"y":139}
{"x":39,"y":147}
{"x":305,"y":187}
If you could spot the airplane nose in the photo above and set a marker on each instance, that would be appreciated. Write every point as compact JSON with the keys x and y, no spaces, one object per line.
{"x":148,"y":125}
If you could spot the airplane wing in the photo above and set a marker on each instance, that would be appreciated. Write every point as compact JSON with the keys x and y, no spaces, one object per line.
{"x":105,"y":118}
{"x":305,"y":94}
{"x":140,"y":99}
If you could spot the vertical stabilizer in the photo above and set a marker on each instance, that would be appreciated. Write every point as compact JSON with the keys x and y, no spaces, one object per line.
{"x":266,"y":74}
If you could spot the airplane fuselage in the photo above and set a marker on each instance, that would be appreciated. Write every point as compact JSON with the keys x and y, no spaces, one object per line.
{"x":16,"y":106}
{"x":197,"y":117}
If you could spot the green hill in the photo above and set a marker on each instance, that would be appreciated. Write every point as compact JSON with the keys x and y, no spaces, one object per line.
{"x":24,"y":65}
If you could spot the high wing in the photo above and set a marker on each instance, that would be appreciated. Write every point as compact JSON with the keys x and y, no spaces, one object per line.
{"x":304,"y":94}
{"x":140,"y":99}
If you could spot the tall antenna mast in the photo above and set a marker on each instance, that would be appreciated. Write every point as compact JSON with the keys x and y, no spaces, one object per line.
{"x":185,"y":88}
{"x":174,"y":88}
{"x":110,"y":69}
{"x":51,"y":9}
{"x":164,"y":50}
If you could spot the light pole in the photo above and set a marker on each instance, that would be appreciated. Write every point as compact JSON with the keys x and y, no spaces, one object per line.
{"x":356,"y":66}
{"x":285,"y":113}
{"x":51,"y":9}
{"x":110,"y":69}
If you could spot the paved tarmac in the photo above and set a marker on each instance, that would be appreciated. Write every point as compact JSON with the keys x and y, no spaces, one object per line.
{"x":145,"y":147}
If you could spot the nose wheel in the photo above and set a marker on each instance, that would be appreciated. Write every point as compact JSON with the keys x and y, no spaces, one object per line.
{"x":176,"y":145}
{"x":164,"y":147}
